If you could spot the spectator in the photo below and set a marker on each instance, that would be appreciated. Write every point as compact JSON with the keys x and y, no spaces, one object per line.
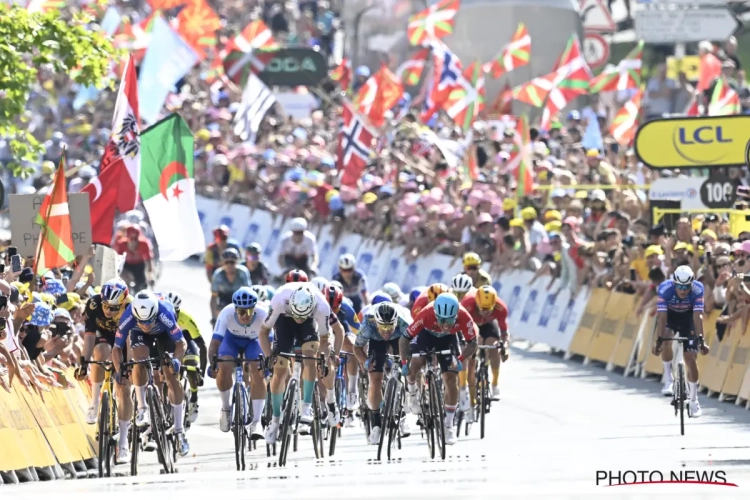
{"x":659,"y":91}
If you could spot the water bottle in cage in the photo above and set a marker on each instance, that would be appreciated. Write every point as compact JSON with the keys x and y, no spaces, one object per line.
{"x":297,"y":373}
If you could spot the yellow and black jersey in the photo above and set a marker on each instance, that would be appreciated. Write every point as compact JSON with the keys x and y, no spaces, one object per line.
{"x":96,"y":321}
{"x":188,"y":326}
{"x":484,"y":279}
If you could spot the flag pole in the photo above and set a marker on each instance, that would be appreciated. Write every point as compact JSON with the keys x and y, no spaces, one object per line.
{"x":45,"y":227}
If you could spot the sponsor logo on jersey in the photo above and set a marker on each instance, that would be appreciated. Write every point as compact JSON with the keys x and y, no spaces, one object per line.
{"x":166,"y":321}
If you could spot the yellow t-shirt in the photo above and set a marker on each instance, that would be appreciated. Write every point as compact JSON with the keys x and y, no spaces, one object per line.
{"x":188,"y":325}
{"x":641,"y":268}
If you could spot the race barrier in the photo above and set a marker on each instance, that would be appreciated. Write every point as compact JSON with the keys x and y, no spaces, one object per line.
{"x":44,"y":430}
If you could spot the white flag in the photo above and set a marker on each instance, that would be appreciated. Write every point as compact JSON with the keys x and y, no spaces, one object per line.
{"x":256,"y":100}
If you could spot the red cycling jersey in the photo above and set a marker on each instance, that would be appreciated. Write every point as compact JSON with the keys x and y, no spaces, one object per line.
{"x":419,"y":303}
{"x":499,"y":313}
{"x":426,"y":320}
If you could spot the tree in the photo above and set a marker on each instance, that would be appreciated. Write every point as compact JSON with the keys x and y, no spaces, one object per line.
{"x":28,"y":41}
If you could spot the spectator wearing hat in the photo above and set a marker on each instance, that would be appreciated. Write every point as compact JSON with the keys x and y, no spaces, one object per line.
{"x":538,"y":240}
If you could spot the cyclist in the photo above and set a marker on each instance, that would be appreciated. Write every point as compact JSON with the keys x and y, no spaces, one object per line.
{"x":101,"y":318}
{"x":298,"y":248}
{"x":151,"y":322}
{"x":351,"y":324}
{"x":437,"y":327}
{"x":215,"y":250}
{"x":262,"y":293}
{"x":236,"y":330}
{"x":472,"y":267}
{"x":298,"y":312}
{"x":139,"y":257}
{"x":226,"y":280}
{"x":408,"y":300}
{"x":393,"y":291}
{"x":490,"y":314}
{"x":427,"y":297}
{"x":382,"y":328}
{"x":353,"y":280}
{"x":461,"y":284}
{"x":259,"y":272}
{"x":679,"y":309}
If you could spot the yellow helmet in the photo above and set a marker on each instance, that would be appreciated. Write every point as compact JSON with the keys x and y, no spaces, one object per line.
{"x":435,"y":290}
{"x":472,"y":259}
{"x":486,"y":298}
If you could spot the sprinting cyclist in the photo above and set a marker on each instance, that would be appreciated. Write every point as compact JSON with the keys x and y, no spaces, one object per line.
{"x":262,"y":292}
{"x":215,"y":250}
{"x":149,"y":321}
{"x":437,"y":327}
{"x":427,"y":297}
{"x":473,"y":267}
{"x":393,"y":291}
{"x":408,"y":300}
{"x":382,"y":327}
{"x":353,"y":281}
{"x":679,"y":309}
{"x":236,"y":330}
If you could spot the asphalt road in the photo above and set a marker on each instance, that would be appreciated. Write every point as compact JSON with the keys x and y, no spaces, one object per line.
{"x":557,"y":424}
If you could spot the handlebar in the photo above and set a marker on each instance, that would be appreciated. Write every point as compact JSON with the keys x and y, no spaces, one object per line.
{"x":300,"y":357}
{"x":107,"y":365}
{"x":432,"y":352}
{"x":148,"y":361}
{"x":239,"y":361}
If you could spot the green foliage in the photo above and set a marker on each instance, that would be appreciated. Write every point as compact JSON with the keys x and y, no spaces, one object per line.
{"x":28,"y":41}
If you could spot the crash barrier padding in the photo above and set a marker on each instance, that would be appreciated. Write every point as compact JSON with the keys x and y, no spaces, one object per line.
{"x":590,"y":320}
{"x":737,"y":364}
{"x":715,"y":370}
{"x":630,"y":331}
{"x":604,"y":340}
{"x":42,"y":429}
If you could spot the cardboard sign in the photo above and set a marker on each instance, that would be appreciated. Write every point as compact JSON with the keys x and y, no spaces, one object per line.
{"x":105,"y":265}
{"x":25,"y":232}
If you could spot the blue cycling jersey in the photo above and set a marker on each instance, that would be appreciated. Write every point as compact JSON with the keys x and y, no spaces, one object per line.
{"x":669,"y":302}
{"x":165,"y":322}
{"x":369,"y":329}
{"x":348,"y":317}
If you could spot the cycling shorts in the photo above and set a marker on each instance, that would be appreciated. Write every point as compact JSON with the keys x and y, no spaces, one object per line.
{"x":489,"y":330}
{"x":231,"y":345}
{"x":425,"y":341}
{"x":378,"y":351}
{"x":157,"y":344}
{"x":287,"y":332}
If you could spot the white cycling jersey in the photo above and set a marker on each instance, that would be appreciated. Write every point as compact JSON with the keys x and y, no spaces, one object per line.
{"x":280,"y":305}
{"x":227,"y":323}
{"x":307,"y":248}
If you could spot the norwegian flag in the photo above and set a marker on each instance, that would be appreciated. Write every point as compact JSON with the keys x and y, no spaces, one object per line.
{"x":355,"y":145}
{"x":116,"y":186}
{"x":447,"y":73}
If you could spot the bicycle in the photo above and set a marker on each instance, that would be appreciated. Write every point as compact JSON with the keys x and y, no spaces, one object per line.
{"x":159,"y":423}
{"x":341,"y":395}
{"x":290,"y":409}
{"x":484,"y":398}
{"x":108,"y":421}
{"x":393,"y":403}
{"x":241,"y":409}
{"x":679,"y":393}
{"x":432,"y":418}
{"x":267,"y":417}
{"x":363,"y":386}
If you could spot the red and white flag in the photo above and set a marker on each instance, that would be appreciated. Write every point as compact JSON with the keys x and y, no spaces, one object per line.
{"x":116,"y":186}
{"x":355,"y":145}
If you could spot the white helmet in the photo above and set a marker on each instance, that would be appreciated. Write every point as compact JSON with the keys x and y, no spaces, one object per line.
{"x":393,"y":290}
{"x":134,"y":216}
{"x":337,"y":284}
{"x":321,"y":283}
{"x":260,"y":291}
{"x":175,"y":299}
{"x":145,"y":306}
{"x":462,"y":283}
{"x":302,"y":303}
{"x":347,"y":261}
{"x":683,"y":275}
{"x":298,"y":224}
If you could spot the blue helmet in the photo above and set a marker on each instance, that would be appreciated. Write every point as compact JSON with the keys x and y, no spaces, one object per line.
{"x":416,"y":292}
{"x":380,"y":297}
{"x":244,"y":298}
{"x":446,"y":306}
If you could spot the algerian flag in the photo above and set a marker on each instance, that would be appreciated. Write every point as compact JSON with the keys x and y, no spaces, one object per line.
{"x":168,"y":188}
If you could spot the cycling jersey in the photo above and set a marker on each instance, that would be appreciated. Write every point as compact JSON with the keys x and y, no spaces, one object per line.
{"x":223,"y":289}
{"x":212,"y":257}
{"x":369,"y":330}
{"x":260,"y":275}
{"x":679,"y":311}
{"x":353,"y":289}
{"x":322,"y":315}
{"x":165,"y":322}
{"x":226,"y":323}
{"x":499,"y":313}
{"x":427,"y":321}
{"x":420,"y":303}
{"x":184,"y":320}
{"x":348,"y":317}
{"x":98,"y":324}
{"x":308,"y":247}
{"x":483,"y":279}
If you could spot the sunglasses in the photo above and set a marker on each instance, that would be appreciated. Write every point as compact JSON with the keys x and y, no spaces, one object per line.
{"x":485,"y":312}
{"x":446,"y":321}
{"x":386,"y":328}
{"x":242,"y":311}
{"x":683,"y":287}
{"x":472,"y":268}
{"x":346,"y":270}
{"x":108,"y":307}
{"x":231,"y":262}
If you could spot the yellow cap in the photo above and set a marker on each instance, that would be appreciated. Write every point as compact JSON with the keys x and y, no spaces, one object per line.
{"x":528,"y":213}
{"x":581,"y":195}
{"x":709,"y":233}
{"x":518,"y":222}
{"x":554,"y":225}
{"x":654,"y":250}
{"x":592,"y":153}
{"x":203,"y":134}
{"x":48,"y":168}
{"x":369,"y":198}
{"x":551,"y":215}
{"x":330,"y":194}
{"x":509,"y":204}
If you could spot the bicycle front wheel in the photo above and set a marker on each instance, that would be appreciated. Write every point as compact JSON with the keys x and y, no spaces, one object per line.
{"x":288,"y":415}
{"x":386,"y":418}
{"x":104,"y":459}
{"x":482,"y":395}
{"x":238,"y":427}
{"x":159,"y":429}
{"x":680,"y":395}
{"x":135,"y":441}
{"x":316,"y":429}
{"x":436,"y":402}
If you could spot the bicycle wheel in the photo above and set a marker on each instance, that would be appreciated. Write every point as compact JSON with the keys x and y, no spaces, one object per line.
{"x":238,"y":427}
{"x":316,"y":429}
{"x":436,"y":402}
{"x":135,"y":441}
{"x":428,"y":421}
{"x":459,"y":420}
{"x":114,"y":434}
{"x":104,"y":434}
{"x":159,"y":429}
{"x":394,"y":432}
{"x":482,"y":395}
{"x":680,"y":395}
{"x":288,"y":413}
{"x":338,"y":387}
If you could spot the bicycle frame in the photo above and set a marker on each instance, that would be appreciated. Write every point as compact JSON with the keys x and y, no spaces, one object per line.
{"x":108,"y":421}
{"x":679,"y":397}
{"x":433,"y":413}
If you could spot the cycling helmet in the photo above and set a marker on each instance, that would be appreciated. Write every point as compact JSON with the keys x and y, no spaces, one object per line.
{"x":338,"y":285}
{"x":393,"y":290}
{"x":347,"y":261}
{"x":334,"y":296}
{"x":254,"y":248}
{"x":114,"y":292}
{"x":321,"y":283}
{"x":416,"y":292}
{"x":260,"y":291}
{"x":683,"y":276}
{"x":298,"y":225}
{"x":446,"y":306}
{"x":472,"y":259}
{"x":134,"y":216}
{"x":296,"y":275}
{"x":379,"y":298}
{"x":302,"y":303}
{"x":175,"y":299}
{"x":230,"y":254}
{"x":486,"y":298}
{"x":462,"y":283}
{"x":221,"y":232}
{"x":385,"y":314}
{"x":435,"y":290}
{"x":244,"y":298}
{"x":270,"y":292}
{"x":145,"y":306}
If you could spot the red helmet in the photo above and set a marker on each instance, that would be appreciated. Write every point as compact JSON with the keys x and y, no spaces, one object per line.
{"x":296,"y":275}
{"x":221,"y":232}
{"x":334,"y":297}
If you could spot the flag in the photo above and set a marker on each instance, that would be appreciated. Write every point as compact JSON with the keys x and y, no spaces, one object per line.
{"x":247,"y":52}
{"x":626,"y":75}
{"x":466,"y":100}
{"x":524,"y":173}
{"x":197,"y":24}
{"x":354,"y":148}
{"x":166,"y":4}
{"x":535,"y":91}
{"x":167,"y":60}
{"x":116,"y":186}
{"x":434,"y":22}
{"x":168,"y":188}
{"x":410,"y":71}
{"x":135,"y":38}
{"x":625,"y":123}
{"x":503,"y":104}
{"x":515,"y":54}
{"x":693,"y":108}
{"x":55,"y":247}
{"x":256,"y":101}
{"x":239,"y":65}
{"x":44,"y":5}
{"x":471,"y":167}
{"x":343,"y":74}
{"x":724,"y":100}
{"x":256,"y":35}
{"x":572,"y":79}
{"x":379,"y":94}
{"x":447,"y":70}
